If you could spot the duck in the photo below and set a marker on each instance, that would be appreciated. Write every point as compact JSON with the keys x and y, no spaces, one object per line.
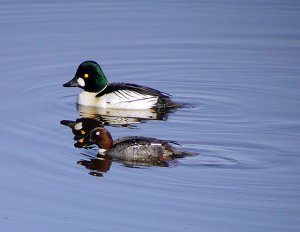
{"x":97,"y":92}
{"x":135,"y":149}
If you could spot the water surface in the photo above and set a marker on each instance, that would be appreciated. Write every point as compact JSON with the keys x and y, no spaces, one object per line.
{"x":237,"y":65}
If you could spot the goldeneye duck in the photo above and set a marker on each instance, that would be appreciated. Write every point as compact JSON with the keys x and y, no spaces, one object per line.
{"x":98,"y":92}
{"x":134,"y":148}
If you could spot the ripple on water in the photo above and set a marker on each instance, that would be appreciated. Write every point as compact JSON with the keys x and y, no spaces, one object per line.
{"x":52,"y":96}
{"x":233,"y":123}
{"x":220,"y":111}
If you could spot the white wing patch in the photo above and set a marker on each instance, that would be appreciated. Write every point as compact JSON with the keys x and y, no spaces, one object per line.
{"x":126,"y":95}
{"x":155,"y":144}
{"x":130,"y":100}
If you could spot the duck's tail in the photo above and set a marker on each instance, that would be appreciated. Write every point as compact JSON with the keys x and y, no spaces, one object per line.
{"x":183,"y":154}
{"x":175,"y":153}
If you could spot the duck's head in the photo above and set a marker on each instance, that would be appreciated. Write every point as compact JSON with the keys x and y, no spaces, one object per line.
{"x":89,"y":76}
{"x":101,"y":137}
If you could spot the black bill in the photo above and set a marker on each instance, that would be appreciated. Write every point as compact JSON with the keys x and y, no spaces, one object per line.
{"x":72,"y":83}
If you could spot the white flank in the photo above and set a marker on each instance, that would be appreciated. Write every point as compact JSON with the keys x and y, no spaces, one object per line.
{"x":122,"y":99}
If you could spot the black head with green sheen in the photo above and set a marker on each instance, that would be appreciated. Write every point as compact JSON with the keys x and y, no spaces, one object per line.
{"x":89,"y":76}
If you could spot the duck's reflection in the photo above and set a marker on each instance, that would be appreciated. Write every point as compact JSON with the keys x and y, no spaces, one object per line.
{"x":119,"y":117}
{"x":82,"y":126}
{"x":92,"y":117}
{"x":101,"y":164}
{"x":97,"y":165}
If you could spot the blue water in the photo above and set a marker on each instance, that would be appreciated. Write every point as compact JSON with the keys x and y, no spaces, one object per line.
{"x":237,"y":65}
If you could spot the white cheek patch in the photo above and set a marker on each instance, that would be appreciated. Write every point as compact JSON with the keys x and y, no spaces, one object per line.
{"x":78,"y":126}
{"x":81,"y":82}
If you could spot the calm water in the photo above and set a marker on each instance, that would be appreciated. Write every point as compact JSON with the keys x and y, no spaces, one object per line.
{"x":236,"y":63}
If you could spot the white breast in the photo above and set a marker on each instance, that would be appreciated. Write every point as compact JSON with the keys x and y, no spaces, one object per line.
{"x":121,"y":99}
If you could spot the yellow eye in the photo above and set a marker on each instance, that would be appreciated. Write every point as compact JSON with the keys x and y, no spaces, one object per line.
{"x":86,"y":75}
{"x":82,"y":132}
